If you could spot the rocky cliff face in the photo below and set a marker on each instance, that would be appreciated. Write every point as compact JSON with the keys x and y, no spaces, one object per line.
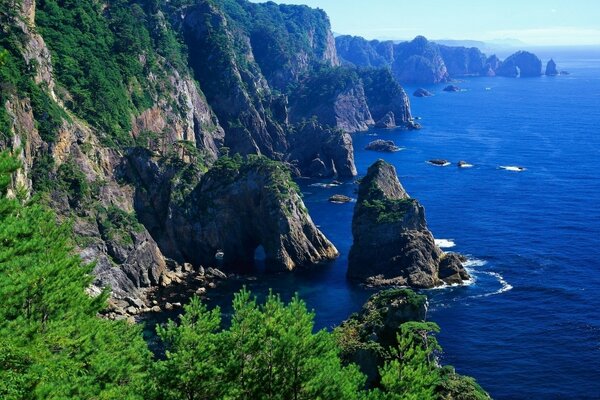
{"x":463,"y":61}
{"x":235,"y":207}
{"x":392,"y":245}
{"x":422,"y":61}
{"x":520,"y":64}
{"x":321,"y":151}
{"x":133,"y":210}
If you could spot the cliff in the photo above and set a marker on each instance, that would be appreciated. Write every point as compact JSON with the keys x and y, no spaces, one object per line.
{"x":182,"y":84}
{"x":392,"y":245}
{"x":423,"y":61}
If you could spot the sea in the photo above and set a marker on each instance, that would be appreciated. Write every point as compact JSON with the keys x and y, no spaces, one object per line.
{"x":528,"y":325}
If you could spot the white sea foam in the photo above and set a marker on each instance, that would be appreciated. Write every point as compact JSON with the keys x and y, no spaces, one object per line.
{"x":324,"y":185}
{"x":514,"y":168}
{"x":505,"y":286}
{"x":445,"y":243}
{"x":474,"y":262}
{"x":465,"y":166}
{"x":439,"y":165}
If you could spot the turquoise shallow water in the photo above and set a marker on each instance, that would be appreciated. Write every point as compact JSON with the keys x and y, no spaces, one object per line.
{"x":529,"y":325}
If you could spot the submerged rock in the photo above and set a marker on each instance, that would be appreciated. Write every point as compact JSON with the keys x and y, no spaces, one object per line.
{"x":386,"y":146}
{"x":439,"y":162}
{"x":551,"y":69}
{"x":340,"y":198}
{"x":392,"y":243}
{"x":422,"y":93}
{"x":451,"y":88}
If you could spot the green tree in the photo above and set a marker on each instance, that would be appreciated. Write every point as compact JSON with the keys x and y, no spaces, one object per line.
{"x":412,"y":373}
{"x":52,"y":344}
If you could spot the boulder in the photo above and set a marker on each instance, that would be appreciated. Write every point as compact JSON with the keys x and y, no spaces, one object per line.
{"x":422,"y":93}
{"x":451,"y":88}
{"x":440,"y":162}
{"x":386,"y":146}
{"x":391,"y":240}
{"x":339,"y":199}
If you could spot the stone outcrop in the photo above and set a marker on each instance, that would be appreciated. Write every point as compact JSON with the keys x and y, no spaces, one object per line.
{"x":321,"y":152}
{"x":385,"y":95}
{"x":551,"y":69}
{"x":520,"y":64}
{"x":392,"y":245}
{"x":388,"y":121}
{"x":463,"y":61}
{"x":422,"y":93}
{"x":343,"y":106}
{"x":451,"y":88}
{"x":386,"y":146}
{"x":236,"y":207}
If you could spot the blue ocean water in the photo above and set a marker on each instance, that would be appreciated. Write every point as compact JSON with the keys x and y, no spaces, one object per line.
{"x":528,"y":327}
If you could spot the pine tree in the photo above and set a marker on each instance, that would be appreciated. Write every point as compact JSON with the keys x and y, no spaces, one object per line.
{"x":52,"y":344}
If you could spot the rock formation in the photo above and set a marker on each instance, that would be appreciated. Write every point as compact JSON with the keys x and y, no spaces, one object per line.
{"x":388,"y":121}
{"x":386,"y":146}
{"x":451,"y":88}
{"x":422,"y":93}
{"x":422,"y":61}
{"x":234,"y":208}
{"x":392,"y":245}
{"x":551,"y":69}
{"x":321,"y":152}
{"x":170,"y":130}
{"x":520,"y":64}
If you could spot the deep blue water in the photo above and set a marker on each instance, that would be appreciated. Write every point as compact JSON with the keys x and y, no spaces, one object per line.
{"x":529,"y":326}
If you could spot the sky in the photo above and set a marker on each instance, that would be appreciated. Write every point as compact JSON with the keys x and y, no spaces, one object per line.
{"x":542,"y":23}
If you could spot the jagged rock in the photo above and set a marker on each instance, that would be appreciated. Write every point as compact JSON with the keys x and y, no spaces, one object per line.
{"x":422,"y":93}
{"x":551,"y":69}
{"x":439,"y":162}
{"x":322,"y":152}
{"x":387,"y":122}
{"x":340,"y":198}
{"x":451,"y":88}
{"x":215,"y":273}
{"x":235,"y":207}
{"x":463,"y":61}
{"x":385,"y":95}
{"x":520,"y":64}
{"x":386,"y":146}
{"x":391,"y":238}
{"x":451,"y":270}
{"x":335,"y":98}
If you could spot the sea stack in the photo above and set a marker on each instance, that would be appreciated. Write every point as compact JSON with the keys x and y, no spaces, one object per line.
{"x":551,"y":69}
{"x":392,"y":244}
